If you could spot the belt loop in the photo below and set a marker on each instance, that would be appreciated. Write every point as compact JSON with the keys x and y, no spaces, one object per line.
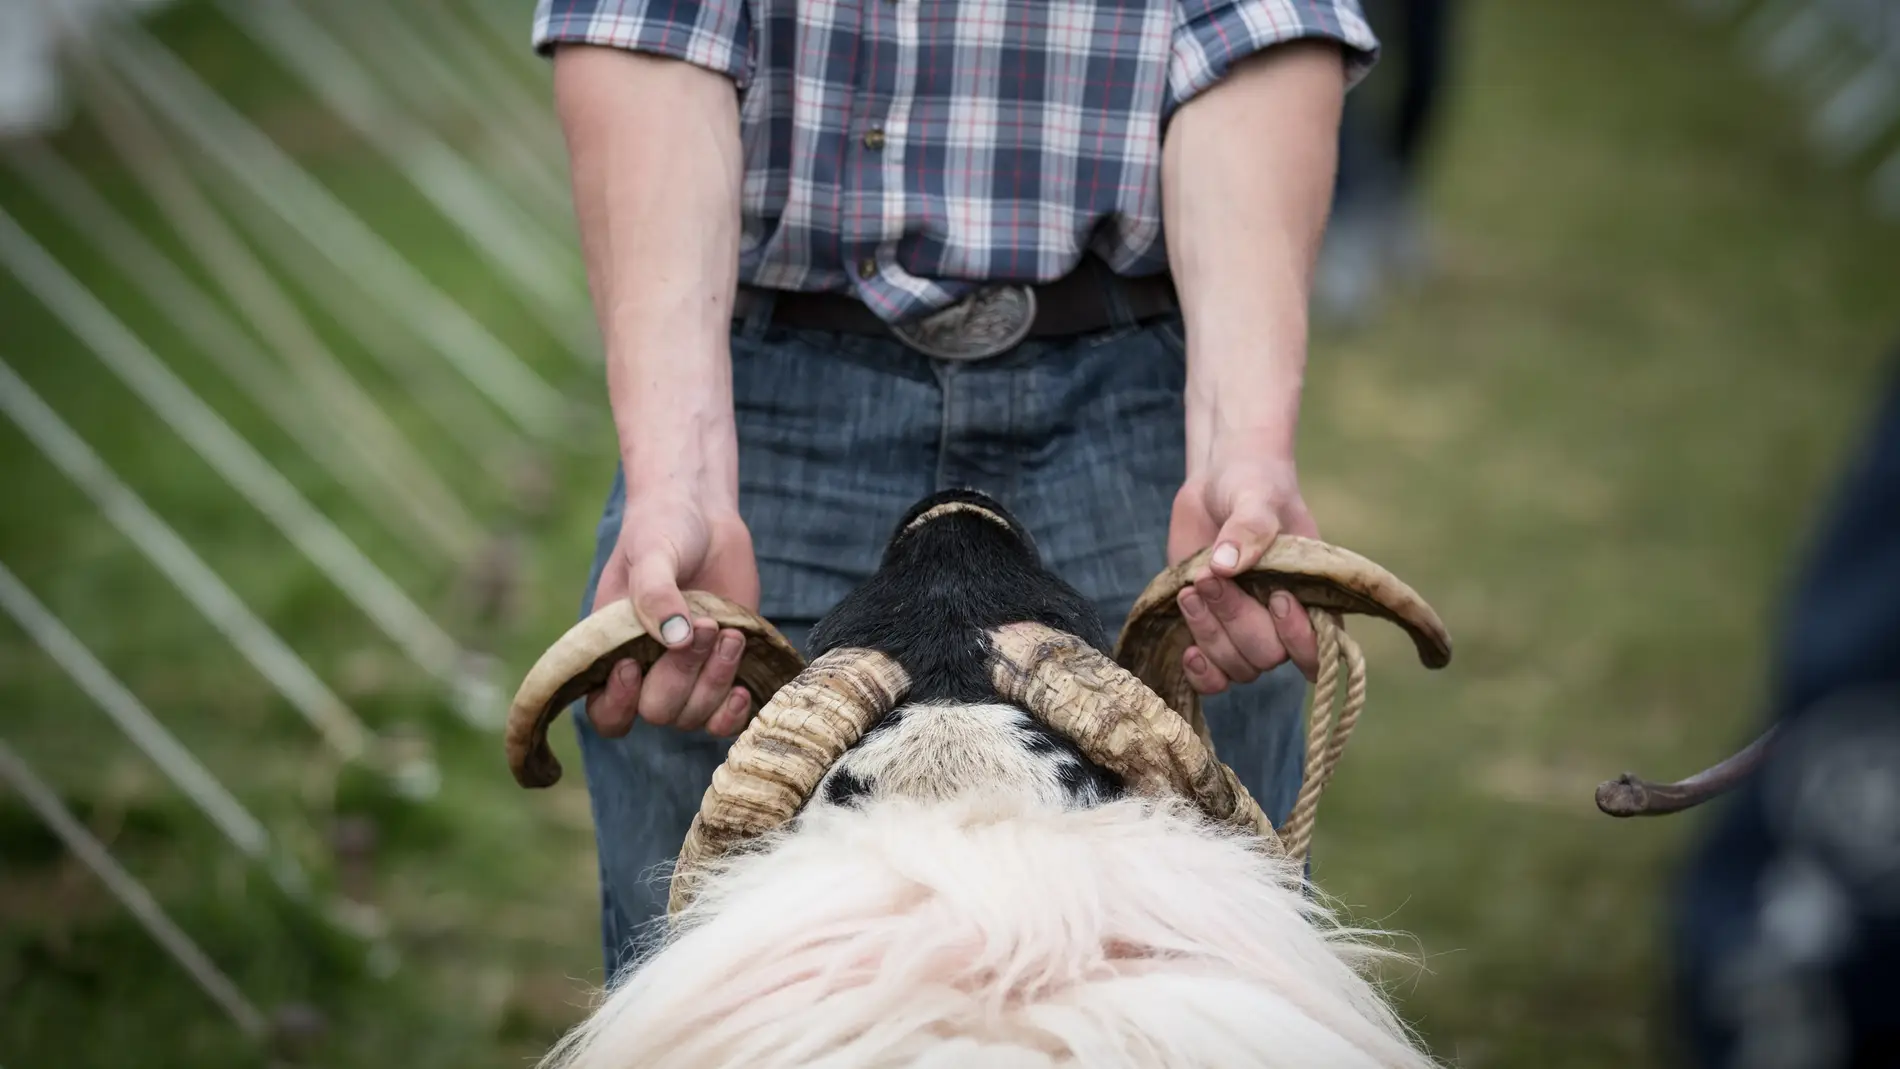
{"x":1121,"y":314}
{"x":755,"y":311}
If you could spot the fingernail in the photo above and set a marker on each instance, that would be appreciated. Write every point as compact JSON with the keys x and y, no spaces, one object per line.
{"x":703,"y":640}
{"x":729,"y":646}
{"x":624,"y":673}
{"x":1210,"y":588}
{"x":1195,"y":661}
{"x":1279,"y":605}
{"x":1226,"y":555}
{"x":736,"y":704}
{"x":675,"y":630}
{"x":1191,"y":603}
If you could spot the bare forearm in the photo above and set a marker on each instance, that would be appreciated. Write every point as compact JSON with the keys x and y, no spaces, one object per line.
{"x":1247,"y":176}
{"x":654,"y":151}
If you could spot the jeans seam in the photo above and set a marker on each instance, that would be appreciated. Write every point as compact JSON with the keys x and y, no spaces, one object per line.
{"x":946,"y":379}
{"x":1173,"y":338}
{"x":1019,"y":379}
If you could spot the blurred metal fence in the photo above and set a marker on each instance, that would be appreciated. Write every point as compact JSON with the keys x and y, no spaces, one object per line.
{"x":132,"y":895}
{"x":1841,"y":58}
{"x":424,"y":85}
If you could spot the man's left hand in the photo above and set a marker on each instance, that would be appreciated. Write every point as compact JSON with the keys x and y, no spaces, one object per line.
{"x":1239,"y":507}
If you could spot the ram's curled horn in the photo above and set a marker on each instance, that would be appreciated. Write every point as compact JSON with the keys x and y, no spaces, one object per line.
{"x":777,"y":762}
{"x":1630,"y":795}
{"x":582,"y":659}
{"x":1117,"y":721}
{"x":1318,"y":575}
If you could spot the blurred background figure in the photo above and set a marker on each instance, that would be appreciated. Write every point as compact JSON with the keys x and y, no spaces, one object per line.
{"x":32,"y":93}
{"x":1788,"y":921}
{"x":29,"y":70}
{"x":1380,"y":235}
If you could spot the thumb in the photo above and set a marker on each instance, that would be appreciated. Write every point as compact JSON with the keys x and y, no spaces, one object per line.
{"x":653,"y":586}
{"x":1249,"y":529}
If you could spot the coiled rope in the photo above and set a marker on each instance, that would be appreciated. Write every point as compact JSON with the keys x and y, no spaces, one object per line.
{"x":1329,"y":723}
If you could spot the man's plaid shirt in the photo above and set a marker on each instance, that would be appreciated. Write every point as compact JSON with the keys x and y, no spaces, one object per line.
{"x":915,"y":149}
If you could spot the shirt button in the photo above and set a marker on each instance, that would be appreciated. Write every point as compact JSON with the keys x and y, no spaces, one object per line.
{"x":867,"y":268}
{"x":874,"y":139}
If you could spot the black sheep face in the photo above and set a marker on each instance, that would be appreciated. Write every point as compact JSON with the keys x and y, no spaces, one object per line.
{"x":958,"y":566}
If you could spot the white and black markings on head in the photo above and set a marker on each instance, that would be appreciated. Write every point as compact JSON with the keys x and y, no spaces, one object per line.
{"x":959,"y":566}
{"x":939,"y":750}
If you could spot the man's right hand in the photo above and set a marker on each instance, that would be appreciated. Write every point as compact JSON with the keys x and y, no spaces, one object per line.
{"x":667,"y":542}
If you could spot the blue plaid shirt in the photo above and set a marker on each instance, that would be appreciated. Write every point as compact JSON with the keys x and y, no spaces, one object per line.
{"x":913,"y":150}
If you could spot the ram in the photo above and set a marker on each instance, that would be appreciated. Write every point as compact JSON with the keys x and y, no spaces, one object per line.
{"x":964,"y":835}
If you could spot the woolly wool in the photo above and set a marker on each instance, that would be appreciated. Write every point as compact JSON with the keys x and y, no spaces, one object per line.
{"x":998,"y":930}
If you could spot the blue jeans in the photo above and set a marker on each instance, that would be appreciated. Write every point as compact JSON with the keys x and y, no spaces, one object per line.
{"x":838,"y":434}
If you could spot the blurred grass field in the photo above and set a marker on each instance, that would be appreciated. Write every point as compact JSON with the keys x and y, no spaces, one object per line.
{"x":1594,"y":442}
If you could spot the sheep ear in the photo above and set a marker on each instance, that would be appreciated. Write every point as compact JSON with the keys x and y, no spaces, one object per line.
{"x":1317,"y":574}
{"x":582,"y":659}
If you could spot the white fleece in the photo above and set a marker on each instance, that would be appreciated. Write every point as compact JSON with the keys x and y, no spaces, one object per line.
{"x":999,"y":932}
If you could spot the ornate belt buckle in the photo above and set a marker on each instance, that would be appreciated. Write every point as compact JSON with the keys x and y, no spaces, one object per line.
{"x":991,"y":321}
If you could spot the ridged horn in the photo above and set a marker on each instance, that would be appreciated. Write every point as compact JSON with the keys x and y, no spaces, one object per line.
{"x":1117,"y":721}
{"x":582,"y":659}
{"x":1630,"y":795}
{"x":1317,"y":574}
{"x":777,"y":762}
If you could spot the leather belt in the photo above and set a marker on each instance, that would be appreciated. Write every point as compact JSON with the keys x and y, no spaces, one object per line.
{"x":991,"y":320}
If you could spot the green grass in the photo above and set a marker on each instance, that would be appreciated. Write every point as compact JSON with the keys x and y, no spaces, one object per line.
{"x":1594,"y":442}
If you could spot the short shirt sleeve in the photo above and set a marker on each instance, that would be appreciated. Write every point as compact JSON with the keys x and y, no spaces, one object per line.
{"x":714,"y":34}
{"x":1210,"y":36}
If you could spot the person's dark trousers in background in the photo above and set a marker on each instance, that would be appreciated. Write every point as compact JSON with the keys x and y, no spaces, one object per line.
{"x":1389,"y":121}
{"x":1787,"y":920}
{"x":1385,"y":135}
